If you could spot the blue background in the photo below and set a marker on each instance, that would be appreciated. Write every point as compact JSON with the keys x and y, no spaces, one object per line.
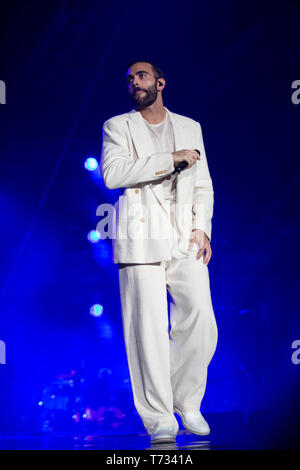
{"x":229,"y":65}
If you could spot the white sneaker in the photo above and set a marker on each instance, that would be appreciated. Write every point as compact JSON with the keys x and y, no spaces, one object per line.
{"x":194,"y":422}
{"x":165,"y":434}
{"x":162,"y":436}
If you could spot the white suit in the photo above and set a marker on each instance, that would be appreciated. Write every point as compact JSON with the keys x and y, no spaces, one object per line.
{"x":165,"y":373}
{"x":128,"y":161}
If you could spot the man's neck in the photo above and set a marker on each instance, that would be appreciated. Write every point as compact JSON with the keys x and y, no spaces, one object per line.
{"x":154,"y":116}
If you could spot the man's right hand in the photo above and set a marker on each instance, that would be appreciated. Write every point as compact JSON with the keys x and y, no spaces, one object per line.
{"x":189,"y":156}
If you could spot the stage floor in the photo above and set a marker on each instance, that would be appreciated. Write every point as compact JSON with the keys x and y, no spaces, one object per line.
{"x":184,"y":441}
{"x":229,"y":431}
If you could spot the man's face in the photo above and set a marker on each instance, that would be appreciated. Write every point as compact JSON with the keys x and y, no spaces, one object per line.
{"x":142,"y":84}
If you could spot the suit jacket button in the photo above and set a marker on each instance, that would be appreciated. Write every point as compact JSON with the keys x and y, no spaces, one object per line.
{"x":137,"y":191}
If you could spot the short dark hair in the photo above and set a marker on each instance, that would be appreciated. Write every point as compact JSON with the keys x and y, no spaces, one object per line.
{"x":157,"y":72}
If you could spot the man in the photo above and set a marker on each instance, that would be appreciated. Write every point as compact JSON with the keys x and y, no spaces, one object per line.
{"x":162,"y":231}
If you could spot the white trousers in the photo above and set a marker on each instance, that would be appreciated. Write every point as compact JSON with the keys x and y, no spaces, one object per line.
{"x":167,"y":371}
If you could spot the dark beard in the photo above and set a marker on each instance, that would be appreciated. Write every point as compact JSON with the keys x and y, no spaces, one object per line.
{"x":146,"y":100}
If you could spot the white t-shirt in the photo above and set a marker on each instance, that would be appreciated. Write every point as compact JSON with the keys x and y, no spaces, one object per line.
{"x":163,"y":140}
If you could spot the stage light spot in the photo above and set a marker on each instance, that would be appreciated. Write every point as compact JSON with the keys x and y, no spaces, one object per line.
{"x":94,"y":236}
{"x":91,"y":164}
{"x":96,"y":310}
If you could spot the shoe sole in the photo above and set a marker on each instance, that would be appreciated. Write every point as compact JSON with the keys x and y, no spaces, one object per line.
{"x":189,"y":429}
{"x":163,"y":439}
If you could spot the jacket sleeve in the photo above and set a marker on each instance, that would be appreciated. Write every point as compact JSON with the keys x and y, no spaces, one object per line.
{"x":119,"y":169}
{"x":203,"y":201}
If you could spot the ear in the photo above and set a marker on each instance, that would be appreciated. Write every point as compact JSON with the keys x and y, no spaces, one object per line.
{"x":161,"y":83}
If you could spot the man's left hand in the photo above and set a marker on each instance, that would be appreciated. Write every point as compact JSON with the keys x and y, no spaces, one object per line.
{"x":200,"y":237}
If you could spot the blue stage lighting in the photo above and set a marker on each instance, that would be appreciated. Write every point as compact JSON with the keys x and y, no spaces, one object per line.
{"x":94,"y":236}
{"x":91,"y":164}
{"x":96,"y":310}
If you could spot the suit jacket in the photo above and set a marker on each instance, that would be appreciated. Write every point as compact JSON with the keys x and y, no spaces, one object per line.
{"x":140,"y":218}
